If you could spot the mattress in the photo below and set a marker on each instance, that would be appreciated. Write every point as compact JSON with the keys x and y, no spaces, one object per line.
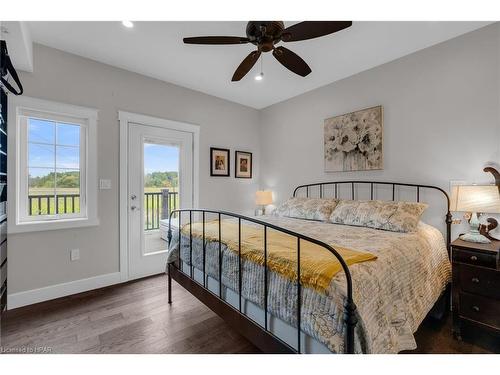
{"x":393,"y":294}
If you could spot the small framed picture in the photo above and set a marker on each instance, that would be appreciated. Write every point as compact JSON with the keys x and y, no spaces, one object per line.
{"x":243,"y":164}
{"x":219,"y":162}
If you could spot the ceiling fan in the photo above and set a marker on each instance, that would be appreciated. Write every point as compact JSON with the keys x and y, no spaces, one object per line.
{"x":266,"y":34}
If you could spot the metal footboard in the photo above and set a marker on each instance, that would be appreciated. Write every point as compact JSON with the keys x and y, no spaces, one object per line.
{"x":260,"y":335}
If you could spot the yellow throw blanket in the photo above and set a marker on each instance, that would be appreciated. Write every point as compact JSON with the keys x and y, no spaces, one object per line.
{"x":317,"y":265}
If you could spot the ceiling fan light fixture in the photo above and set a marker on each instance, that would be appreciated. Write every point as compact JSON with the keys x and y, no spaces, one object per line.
{"x":128,"y":24}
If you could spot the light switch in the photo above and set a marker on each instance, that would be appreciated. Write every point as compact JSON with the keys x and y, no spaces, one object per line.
{"x":104,"y":184}
{"x":74,"y":254}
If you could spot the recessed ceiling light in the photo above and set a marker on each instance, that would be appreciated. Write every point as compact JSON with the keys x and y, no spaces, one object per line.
{"x":128,"y":24}
{"x":259,"y":77}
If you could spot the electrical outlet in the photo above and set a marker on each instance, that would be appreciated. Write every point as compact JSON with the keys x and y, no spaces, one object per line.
{"x":74,"y":254}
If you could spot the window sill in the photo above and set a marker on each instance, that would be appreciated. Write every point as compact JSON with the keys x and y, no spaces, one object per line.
{"x":39,"y":226}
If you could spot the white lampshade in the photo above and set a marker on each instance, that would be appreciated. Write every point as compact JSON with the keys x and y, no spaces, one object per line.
{"x":476,"y":198}
{"x":263,"y":197}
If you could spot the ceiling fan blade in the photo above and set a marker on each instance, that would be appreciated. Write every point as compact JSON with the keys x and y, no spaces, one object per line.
{"x":291,"y":61}
{"x":312,"y":29}
{"x":216,"y":40}
{"x":246,"y":65}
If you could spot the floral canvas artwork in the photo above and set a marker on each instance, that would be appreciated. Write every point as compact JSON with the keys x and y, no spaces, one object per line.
{"x":353,"y":142}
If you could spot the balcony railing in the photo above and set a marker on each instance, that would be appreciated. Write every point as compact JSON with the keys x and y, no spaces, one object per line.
{"x":157,"y":205}
{"x":46,"y":204}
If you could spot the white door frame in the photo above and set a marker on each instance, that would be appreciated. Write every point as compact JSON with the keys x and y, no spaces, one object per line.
{"x":125,"y":118}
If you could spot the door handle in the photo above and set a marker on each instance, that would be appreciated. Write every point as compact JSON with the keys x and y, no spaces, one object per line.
{"x":133,"y":196}
{"x":135,"y":208}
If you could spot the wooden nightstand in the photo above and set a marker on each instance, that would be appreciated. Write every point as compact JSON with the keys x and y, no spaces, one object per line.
{"x":476,"y":286}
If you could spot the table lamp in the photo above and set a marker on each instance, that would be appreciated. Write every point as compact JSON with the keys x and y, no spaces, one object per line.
{"x":263,"y":198}
{"x":476,"y":199}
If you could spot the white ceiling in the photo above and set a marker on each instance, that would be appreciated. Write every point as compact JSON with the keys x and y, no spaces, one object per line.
{"x":155,"y":49}
{"x":19,"y":44}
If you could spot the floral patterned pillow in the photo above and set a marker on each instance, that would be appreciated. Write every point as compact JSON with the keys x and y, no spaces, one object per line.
{"x":307,"y":208}
{"x":372,"y":214}
{"x":386,"y":215}
{"x":406,"y":217}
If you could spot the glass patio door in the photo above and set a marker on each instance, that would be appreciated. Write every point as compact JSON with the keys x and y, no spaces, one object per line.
{"x":160,"y":179}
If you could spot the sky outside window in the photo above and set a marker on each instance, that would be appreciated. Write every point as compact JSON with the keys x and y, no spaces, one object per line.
{"x":160,"y":158}
{"x":53,"y":163}
{"x":161,"y":167}
{"x":44,"y":152}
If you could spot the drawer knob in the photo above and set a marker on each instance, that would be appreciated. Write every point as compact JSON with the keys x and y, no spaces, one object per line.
{"x":473,"y":258}
{"x":475,"y":280}
{"x":475,"y":308}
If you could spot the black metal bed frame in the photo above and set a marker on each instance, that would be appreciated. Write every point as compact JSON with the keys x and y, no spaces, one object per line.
{"x":260,"y":335}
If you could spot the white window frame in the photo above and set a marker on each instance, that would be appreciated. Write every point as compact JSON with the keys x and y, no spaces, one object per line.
{"x":19,"y":109}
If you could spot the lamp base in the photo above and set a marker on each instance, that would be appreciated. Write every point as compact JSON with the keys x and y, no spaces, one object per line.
{"x":474,"y":236}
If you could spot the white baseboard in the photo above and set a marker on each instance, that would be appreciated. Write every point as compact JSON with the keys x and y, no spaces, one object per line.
{"x":30,"y":297}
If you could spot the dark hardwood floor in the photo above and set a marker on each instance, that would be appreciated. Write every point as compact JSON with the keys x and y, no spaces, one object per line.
{"x":435,"y":337}
{"x":128,"y":318}
{"x":135,"y":318}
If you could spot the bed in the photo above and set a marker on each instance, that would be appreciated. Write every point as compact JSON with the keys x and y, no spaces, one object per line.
{"x":247,"y":270}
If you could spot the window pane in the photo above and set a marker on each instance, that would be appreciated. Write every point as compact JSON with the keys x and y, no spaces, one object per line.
{"x":41,"y":191}
{"x":41,"y":131}
{"x":68,"y":134}
{"x":41,"y":155}
{"x":68,"y":191}
{"x":68,"y":157}
{"x":161,"y":167}
{"x":51,"y":166}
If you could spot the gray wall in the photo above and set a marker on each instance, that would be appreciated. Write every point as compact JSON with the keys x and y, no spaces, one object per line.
{"x":42,"y":258}
{"x":441,"y":118}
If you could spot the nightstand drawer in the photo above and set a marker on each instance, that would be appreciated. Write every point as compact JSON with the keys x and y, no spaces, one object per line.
{"x":480,"y":309}
{"x":475,"y":258}
{"x":478,"y":280}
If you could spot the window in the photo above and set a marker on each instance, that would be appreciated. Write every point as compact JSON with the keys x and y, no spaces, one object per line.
{"x":55,"y":172}
{"x":55,"y":160}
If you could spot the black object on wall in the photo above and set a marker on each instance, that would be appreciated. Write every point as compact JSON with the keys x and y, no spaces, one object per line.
{"x":3,"y":202}
{"x":7,"y":69}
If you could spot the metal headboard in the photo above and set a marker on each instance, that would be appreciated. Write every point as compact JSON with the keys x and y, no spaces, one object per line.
{"x":373,"y":185}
